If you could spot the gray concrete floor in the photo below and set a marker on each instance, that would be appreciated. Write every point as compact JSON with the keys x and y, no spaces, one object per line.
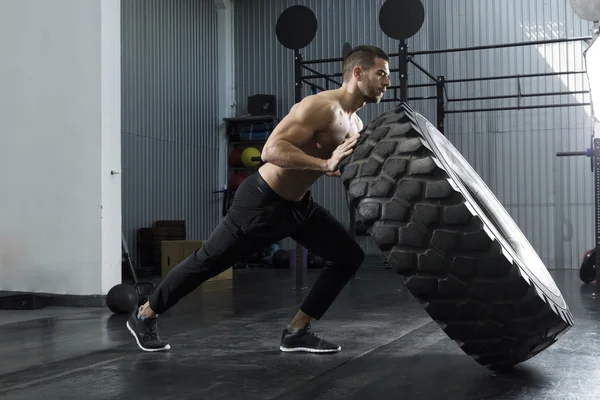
{"x":225,"y":346}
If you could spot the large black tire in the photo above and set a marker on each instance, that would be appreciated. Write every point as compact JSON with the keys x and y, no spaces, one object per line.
{"x":460,"y":253}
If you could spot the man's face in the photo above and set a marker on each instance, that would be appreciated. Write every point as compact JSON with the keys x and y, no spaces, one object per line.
{"x":374,"y":81}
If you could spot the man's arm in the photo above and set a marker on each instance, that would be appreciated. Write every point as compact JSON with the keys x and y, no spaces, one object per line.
{"x":311,"y":115}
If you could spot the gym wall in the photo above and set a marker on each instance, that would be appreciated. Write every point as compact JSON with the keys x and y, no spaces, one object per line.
{"x":263,"y":65}
{"x":171,"y":124}
{"x":550,"y":198}
{"x":60,"y":206}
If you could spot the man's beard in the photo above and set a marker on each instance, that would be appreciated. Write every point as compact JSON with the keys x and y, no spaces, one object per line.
{"x":373,"y":97}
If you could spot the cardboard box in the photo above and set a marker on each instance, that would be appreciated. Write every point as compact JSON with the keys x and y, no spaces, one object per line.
{"x":175,"y":251}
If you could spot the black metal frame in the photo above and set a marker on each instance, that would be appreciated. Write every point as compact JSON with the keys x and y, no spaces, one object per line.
{"x":405,"y":57}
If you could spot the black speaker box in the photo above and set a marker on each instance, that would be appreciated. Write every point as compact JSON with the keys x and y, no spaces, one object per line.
{"x":262,"y":104}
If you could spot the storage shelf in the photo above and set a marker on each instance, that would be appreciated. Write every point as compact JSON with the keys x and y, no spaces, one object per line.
{"x":236,"y":127}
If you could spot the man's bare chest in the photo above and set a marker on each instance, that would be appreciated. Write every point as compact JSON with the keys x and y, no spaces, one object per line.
{"x":330,"y":139}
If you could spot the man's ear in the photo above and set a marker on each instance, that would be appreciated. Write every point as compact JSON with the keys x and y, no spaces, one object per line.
{"x":358,"y":73}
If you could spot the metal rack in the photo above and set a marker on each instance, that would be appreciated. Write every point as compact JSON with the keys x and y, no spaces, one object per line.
{"x":401,"y":91}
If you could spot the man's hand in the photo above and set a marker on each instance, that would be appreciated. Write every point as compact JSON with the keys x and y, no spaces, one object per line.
{"x":341,"y":152}
{"x":334,"y":174}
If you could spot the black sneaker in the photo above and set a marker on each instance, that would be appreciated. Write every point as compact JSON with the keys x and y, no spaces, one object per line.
{"x":145,"y":333}
{"x":305,"y":340}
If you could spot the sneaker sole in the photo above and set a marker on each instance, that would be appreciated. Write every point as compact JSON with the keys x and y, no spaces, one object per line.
{"x":137,"y":340}
{"x":308,"y":350}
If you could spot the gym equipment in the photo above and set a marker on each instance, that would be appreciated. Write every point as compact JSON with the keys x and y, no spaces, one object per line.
{"x":249,"y":136}
{"x":258,"y":257}
{"x":268,"y":258}
{"x":249,"y":154}
{"x":143,"y":288}
{"x":587,"y":271}
{"x":346,"y":49}
{"x":389,"y":15}
{"x":281,"y":259}
{"x":314,"y":261}
{"x":118,"y":298}
{"x":235,"y":158}
{"x":457,"y":248}
{"x":296,"y":27}
{"x":236,"y":180}
{"x":401,"y":19}
{"x":122,"y":299}
{"x":298,"y":267}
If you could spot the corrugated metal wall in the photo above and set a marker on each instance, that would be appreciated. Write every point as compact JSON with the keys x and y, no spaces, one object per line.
{"x":550,"y":198}
{"x":170,"y":118}
{"x":263,"y":65}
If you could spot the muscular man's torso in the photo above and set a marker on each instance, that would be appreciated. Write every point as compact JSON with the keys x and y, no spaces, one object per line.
{"x":293,"y":184}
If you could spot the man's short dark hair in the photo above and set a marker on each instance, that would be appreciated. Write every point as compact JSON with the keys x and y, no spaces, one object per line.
{"x":362,"y":56}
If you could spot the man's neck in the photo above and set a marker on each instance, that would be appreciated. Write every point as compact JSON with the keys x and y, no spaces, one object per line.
{"x":351,"y":99}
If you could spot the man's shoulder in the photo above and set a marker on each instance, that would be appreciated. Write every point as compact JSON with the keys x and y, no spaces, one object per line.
{"x":318,"y":106}
{"x":322,"y":99}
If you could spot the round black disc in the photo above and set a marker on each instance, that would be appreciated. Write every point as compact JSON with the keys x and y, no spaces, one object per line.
{"x":401,"y":19}
{"x":296,"y":27}
{"x":346,"y":49}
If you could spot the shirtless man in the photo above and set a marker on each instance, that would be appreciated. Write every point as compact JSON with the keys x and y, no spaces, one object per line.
{"x":276,"y":202}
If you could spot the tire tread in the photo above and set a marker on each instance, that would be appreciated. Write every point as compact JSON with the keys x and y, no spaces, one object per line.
{"x":440,"y":248}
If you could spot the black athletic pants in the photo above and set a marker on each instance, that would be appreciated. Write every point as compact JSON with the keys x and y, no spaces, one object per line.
{"x":258,"y":217}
